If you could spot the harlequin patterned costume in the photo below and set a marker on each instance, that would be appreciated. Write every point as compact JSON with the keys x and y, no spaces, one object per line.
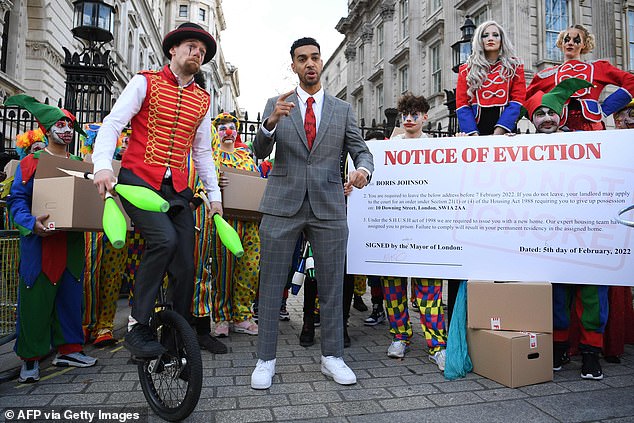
{"x":236,"y":278}
{"x":203,"y":281}
{"x":103,"y":272}
{"x":51,"y":274}
{"x":498,"y":93}
{"x":583,"y":112}
{"x":428,"y":297}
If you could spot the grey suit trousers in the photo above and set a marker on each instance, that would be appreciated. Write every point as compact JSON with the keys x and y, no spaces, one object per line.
{"x":328,"y":238}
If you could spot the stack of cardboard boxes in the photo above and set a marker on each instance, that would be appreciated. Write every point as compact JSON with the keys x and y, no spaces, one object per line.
{"x":510,"y":331}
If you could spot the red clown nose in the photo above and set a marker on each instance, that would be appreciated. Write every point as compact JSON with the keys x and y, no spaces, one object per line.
{"x":229,"y":131}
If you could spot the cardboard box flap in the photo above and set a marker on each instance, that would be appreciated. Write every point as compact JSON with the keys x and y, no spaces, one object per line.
{"x":239,"y":171}
{"x":47,"y":166}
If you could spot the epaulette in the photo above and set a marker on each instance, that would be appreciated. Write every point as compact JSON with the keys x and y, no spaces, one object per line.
{"x":28,"y":166}
{"x":148,"y":72}
{"x":547,"y":72}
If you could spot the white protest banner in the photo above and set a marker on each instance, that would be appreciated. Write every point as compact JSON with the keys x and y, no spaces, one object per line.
{"x":527,"y":208}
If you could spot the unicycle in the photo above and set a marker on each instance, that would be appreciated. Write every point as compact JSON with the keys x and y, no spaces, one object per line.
{"x":172,"y":382}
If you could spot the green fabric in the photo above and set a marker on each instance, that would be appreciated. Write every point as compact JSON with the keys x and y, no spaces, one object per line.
{"x":557,"y":97}
{"x":45,"y":114}
{"x":591,"y":309}
{"x":35,"y":331}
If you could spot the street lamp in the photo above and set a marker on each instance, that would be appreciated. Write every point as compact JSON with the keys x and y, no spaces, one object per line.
{"x":93,"y":21}
{"x":462,"y":48}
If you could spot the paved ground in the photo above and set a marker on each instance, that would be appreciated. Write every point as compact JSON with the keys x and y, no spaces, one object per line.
{"x":388,"y":390}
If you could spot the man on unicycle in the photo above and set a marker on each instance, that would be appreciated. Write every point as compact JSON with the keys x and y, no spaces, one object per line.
{"x":169,"y":116}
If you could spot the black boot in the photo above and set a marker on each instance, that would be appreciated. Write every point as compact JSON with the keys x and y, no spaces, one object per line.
{"x":590,"y":366}
{"x":346,"y":338}
{"x":307,"y":337}
{"x":560,"y":355}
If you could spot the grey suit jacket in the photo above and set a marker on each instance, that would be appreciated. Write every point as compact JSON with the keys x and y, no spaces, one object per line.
{"x":298,"y":171}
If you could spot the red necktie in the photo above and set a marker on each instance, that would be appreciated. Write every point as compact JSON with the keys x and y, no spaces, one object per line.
{"x":310,"y":124}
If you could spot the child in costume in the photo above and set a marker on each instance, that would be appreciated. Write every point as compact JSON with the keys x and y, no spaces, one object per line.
{"x":51,"y":262}
{"x":236,"y":278}
{"x":428,"y":291}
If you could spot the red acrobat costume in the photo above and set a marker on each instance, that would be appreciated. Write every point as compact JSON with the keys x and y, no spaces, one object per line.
{"x":496,"y":91}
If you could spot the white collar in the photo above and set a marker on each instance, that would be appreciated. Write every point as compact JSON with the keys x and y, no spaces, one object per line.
{"x":303,"y":95}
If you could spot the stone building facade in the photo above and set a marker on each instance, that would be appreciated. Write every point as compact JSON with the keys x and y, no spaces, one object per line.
{"x":34,"y":33}
{"x":393,"y":46}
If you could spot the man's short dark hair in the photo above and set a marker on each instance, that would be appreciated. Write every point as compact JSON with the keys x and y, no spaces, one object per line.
{"x":306,"y":41}
{"x":374,"y":135}
{"x":411,"y":103}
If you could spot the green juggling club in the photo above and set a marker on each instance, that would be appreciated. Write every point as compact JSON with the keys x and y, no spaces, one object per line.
{"x":228,"y":236}
{"x":141,"y":197}
{"x":114,"y":224}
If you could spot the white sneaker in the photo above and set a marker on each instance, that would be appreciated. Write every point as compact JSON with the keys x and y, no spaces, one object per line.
{"x":335,"y":368}
{"x":30,"y":372}
{"x":397,"y":349}
{"x":439,"y":358}
{"x":76,"y":359}
{"x":262,"y":376}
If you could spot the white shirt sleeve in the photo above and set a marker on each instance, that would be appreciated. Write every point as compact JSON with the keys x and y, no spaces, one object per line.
{"x":128,"y":104}
{"x":203,"y":159}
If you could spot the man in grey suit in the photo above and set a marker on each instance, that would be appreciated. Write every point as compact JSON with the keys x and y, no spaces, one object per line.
{"x":304,"y":193}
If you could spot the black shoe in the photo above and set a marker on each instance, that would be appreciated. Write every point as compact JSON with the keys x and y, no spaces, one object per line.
{"x":211,"y":344}
{"x":560,"y":355}
{"x":307,"y":337}
{"x":377,"y":316}
{"x":284,"y":315}
{"x":590,"y":367}
{"x":358,"y":303}
{"x":346,"y":338}
{"x":140,"y":341}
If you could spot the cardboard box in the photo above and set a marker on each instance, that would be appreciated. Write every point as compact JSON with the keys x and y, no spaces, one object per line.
{"x":518,"y":306}
{"x":513,"y":359}
{"x":11,"y":167}
{"x":72,"y":203}
{"x":241,"y":198}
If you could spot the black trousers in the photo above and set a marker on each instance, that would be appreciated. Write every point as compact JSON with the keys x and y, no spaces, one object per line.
{"x":169,"y":248}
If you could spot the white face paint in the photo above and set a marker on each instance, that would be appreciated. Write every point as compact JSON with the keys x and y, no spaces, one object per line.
{"x":546,"y":121}
{"x":227,"y":132}
{"x":61,"y":132}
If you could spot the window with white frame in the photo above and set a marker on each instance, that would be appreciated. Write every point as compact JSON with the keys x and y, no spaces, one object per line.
{"x":630,"y":37}
{"x":436,"y":75}
{"x":360,"y":108}
{"x":403,"y":13}
{"x":379,"y":42}
{"x":182,"y":11}
{"x":379,"y":102}
{"x":202,"y":14}
{"x":403,"y":78}
{"x":556,"y":20}
{"x":435,"y":5}
{"x":480,"y":16}
{"x":361,"y":56}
